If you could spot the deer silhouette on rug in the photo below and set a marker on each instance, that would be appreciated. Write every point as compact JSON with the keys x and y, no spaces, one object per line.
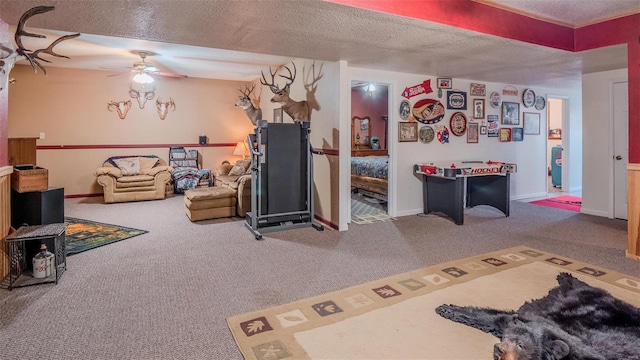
{"x":574,"y":321}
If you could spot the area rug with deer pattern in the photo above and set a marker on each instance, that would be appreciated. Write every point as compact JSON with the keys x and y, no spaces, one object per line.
{"x":395,"y":318}
{"x":82,"y":235}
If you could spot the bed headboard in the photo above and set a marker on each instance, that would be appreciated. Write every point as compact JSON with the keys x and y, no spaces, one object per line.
{"x":369,"y":152}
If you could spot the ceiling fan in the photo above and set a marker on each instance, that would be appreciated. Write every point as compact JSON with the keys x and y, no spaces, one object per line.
{"x":144,"y":70}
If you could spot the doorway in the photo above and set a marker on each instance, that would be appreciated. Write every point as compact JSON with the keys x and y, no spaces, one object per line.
{"x":369,"y":158}
{"x":556,"y":113}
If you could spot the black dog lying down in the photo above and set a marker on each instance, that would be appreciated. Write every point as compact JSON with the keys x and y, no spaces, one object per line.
{"x":574,"y":322}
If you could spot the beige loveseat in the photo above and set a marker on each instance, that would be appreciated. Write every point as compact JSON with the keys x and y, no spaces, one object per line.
{"x":133,"y":178}
{"x":238,"y":178}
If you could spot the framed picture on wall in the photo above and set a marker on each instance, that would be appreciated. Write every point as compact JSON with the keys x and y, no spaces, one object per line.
{"x":505,"y":134}
{"x":407,"y":131}
{"x":444,"y":83}
{"x":478,"y":108}
{"x":510,"y":113}
{"x":517,"y":134}
{"x":472,"y":133}
{"x":531,"y":123}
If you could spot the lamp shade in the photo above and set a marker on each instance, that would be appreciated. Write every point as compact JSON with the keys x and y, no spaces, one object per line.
{"x":241,"y":149}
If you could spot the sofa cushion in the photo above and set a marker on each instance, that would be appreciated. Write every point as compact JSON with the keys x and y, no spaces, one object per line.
{"x":227,"y":180}
{"x":128,"y":166}
{"x":109,"y":170}
{"x":135,"y":178}
{"x":209,"y":193}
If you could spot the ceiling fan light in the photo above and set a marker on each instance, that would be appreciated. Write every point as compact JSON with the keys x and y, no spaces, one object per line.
{"x":143,"y":78}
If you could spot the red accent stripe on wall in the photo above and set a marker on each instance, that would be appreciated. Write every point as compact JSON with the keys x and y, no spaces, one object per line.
{"x":612,"y":32}
{"x":333,"y":152}
{"x":471,"y":15}
{"x":327,"y":222}
{"x":127,"y":146}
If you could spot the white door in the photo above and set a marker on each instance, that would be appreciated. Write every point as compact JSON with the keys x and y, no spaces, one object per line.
{"x":620,"y":148}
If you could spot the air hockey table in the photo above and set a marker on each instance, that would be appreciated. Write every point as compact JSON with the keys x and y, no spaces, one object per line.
{"x":450,"y":187}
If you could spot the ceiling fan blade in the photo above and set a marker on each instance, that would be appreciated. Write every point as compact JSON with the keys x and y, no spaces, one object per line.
{"x":112,"y":75}
{"x":168,"y":74}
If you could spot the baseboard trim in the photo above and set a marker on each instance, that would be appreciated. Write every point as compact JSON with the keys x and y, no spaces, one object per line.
{"x":594,"y":212}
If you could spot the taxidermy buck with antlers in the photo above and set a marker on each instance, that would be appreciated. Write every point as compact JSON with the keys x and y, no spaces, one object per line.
{"x":246,"y":104}
{"x":298,"y":110}
{"x":8,"y":55}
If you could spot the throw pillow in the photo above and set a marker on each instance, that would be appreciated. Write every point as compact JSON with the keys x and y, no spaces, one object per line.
{"x":223,"y":169}
{"x":237,"y":170}
{"x":147,"y":163}
{"x":244,"y":163}
{"x":129,"y":166}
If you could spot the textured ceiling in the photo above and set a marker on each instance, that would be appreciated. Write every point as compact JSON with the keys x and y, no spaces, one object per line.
{"x":230,"y":39}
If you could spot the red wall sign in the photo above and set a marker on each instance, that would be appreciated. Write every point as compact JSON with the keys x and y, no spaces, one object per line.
{"x":424,"y":88}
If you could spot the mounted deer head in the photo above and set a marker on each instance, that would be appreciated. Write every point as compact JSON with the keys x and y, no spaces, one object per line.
{"x":163,"y":107}
{"x":148,"y":95}
{"x":245,"y":102}
{"x":9,"y":55}
{"x":122,"y":107}
{"x":298,"y":110}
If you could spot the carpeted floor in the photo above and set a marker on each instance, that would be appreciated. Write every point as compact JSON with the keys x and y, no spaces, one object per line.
{"x":566,"y":202}
{"x":391,"y":318}
{"x":364,"y":205}
{"x":167,"y":294}
{"x":83,"y":235}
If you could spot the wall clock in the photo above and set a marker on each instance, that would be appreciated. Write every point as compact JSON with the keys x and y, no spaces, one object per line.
{"x":528,"y":98}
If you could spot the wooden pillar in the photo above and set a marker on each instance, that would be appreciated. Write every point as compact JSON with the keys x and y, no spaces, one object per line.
{"x":633,"y":205}
{"x":5,"y":217}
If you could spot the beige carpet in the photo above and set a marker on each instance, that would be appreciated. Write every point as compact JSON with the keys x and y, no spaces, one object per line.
{"x":394,"y":318}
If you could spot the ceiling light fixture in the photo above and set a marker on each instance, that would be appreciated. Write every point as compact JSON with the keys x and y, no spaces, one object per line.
{"x":370,"y":89}
{"x":143,"y":78}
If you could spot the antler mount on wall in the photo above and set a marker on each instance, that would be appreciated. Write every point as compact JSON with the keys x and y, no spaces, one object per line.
{"x":9,"y":55}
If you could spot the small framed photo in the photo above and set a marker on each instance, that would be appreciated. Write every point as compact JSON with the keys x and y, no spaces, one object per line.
{"x":407,"y":131}
{"x":478,"y":89}
{"x":517,"y":134}
{"x":277,"y":115}
{"x":478,"y":108}
{"x":444,"y":83}
{"x":483,"y":130}
{"x":510,"y":113}
{"x":505,"y":134}
{"x":531,"y":123}
{"x":472,"y":133}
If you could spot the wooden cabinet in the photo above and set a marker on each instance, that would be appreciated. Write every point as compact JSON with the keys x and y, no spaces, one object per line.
{"x":22,"y":151}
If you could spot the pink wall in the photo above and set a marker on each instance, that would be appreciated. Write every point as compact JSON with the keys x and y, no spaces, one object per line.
{"x":374,"y":107}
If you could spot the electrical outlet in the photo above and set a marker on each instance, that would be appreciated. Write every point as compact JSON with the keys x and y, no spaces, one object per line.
{"x":41,"y":135}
